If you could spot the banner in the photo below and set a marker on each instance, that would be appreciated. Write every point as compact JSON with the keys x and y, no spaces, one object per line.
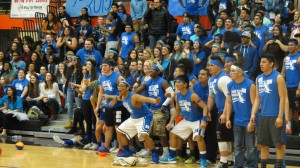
{"x":95,"y":7}
{"x":176,"y":9}
{"x":27,"y":8}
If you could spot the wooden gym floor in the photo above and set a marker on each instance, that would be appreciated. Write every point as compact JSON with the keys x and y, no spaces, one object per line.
{"x":58,"y":157}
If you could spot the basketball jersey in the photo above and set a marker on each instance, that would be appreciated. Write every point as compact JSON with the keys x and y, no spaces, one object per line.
{"x":268,"y":92}
{"x":154,"y":88}
{"x":201,"y":91}
{"x":241,"y":101}
{"x":110,"y":87}
{"x":134,"y":111}
{"x":186,"y":106}
{"x":292,"y":71}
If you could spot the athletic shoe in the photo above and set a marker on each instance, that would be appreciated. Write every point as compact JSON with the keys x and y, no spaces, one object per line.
{"x":141,"y":151}
{"x":112,"y":149}
{"x":168,"y":159}
{"x":94,"y":147}
{"x":165,"y":154}
{"x":190,"y":160}
{"x":203,"y":164}
{"x":288,"y":130}
{"x":180,"y":159}
{"x":230,"y":163}
{"x":155,"y":158}
{"x":125,"y":153}
{"x":145,"y":154}
{"x":57,"y":139}
{"x":223,"y":165}
{"x":87,"y":146}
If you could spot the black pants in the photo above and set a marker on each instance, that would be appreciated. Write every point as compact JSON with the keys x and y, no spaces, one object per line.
{"x":78,"y":118}
{"x":51,"y":107}
{"x":90,"y":119}
{"x":211,"y":137}
{"x":7,"y":119}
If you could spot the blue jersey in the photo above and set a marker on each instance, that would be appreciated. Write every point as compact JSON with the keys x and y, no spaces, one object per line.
{"x":292,"y":71}
{"x":110,"y":87}
{"x":127,"y":43}
{"x":241,"y":101}
{"x":187,"y":107}
{"x":154,"y":88}
{"x":261,"y":33}
{"x":219,"y":96}
{"x":185,"y":31}
{"x":201,"y":91}
{"x":134,"y":111}
{"x":268,"y":92}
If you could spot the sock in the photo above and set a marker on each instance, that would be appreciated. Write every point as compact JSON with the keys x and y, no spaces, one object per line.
{"x":202,"y":155}
{"x":288,"y":125}
{"x":223,"y":159}
{"x":263,"y":163}
{"x":69,"y":142}
{"x":178,"y":152}
{"x":126,"y":147}
{"x":166,"y":150}
{"x":172,"y":152}
{"x":229,"y":157}
{"x":192,"y":153}
{"x":279,"y":163}
{"x":99,"y":143}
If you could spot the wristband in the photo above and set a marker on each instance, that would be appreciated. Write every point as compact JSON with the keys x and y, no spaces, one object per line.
{"x":203,"y":118}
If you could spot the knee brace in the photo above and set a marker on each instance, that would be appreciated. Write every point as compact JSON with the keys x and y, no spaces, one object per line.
{"x":223,"y":146}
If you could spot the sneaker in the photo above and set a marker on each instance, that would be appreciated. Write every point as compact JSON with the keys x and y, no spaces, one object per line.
{"x":116,"y":150}
{"x":120,"y":151}
{"x":230,"y":163}
{"x":125,"y":153}
{"x":288,"y":130}
{"x":223,"y":165}
{"x":180,"y":159}
{"x":190,"y":160}
{"x":165,"y":154}
{"x":141,"y":151}
{"x":145,"y":154}
{"x":168,"y":159}
{"x":203,"y":164}
{"x":94,"y":147}
{"x":155,"y":158}
{"x":57,"y":139}
{"x":112,"y":149}
{"x":87,"y":146}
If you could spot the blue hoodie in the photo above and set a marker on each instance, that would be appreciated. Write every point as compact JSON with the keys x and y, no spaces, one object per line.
{"x":94,"y":54}
{"x":138,"y":8}
{"x":250,"y":55}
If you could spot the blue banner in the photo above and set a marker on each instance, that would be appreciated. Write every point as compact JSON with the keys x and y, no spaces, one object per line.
{"x":95,"y":7}
{"x":176,"y":9}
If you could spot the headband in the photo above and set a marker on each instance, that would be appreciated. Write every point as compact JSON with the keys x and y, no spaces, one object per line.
{"x":217,"y":63}
{"x":113,"y":51}
{"x":108,"y":63}
{"x":229,"y":59}
{"x":178,"y":42}
{"x":126,"y":82}
{"x":234,"y":67}
{"x":181,"y":80}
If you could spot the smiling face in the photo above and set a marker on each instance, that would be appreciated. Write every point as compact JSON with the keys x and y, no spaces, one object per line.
{"x":33,"y":79}
{"x":122,"y":88}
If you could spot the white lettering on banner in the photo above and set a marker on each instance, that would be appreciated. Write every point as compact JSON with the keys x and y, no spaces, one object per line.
{"x":28,"y":8}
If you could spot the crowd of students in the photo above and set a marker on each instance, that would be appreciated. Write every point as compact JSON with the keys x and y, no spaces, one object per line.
{"x":132,"y":75}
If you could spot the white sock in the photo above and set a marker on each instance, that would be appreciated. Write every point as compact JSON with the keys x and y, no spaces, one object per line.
{"x":229,"y":157}
{"x":166,"y":149}
{"x":223,"y":159}
{"x":289,"y":125}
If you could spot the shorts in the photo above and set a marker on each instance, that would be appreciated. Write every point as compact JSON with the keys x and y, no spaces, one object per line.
{"x":268,"y":134}
{"x":223,"y":133}
{"x":292,"y":98}
{"x":132,"y":126}
{"x":116,"y":115}
{"x":185,"y":128}
{"x":101,"y":114}
{"x":159,"y":122}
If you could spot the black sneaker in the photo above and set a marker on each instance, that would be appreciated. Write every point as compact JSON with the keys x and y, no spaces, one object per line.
{"x":230,"y":163}
{"x":223,"y":165}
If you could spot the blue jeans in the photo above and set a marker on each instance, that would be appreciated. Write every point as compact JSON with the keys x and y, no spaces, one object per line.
{"x":243,"y":137}
{"x":154,"y":38}
{"x":70,"y":102}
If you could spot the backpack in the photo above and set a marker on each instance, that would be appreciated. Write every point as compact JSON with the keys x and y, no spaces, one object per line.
{"x":34,"y":113}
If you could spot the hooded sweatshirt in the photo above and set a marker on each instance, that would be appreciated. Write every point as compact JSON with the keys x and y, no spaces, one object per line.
{"x":250,"y":55}
{"x":93,"y":54}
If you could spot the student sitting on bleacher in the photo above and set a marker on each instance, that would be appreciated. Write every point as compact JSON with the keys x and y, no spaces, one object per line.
{"x":12,"y":103}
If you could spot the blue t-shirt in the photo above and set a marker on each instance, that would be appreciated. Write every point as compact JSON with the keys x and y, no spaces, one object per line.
{"x":201,"y":65}
{"x":185,"y":31}
{"x":154,"y":88}
{"x":112,"y":37}
{"x":127,"y":44}
{"x":201,"y":91}
{"x":13,"y":105}
{"x":241,"y":101}
{"x":261,"y":33}
{"x":18,"y":65}
{"x":20,"y":86}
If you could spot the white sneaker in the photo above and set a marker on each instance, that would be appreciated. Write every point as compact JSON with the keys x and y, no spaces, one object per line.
{"x":165,"y":154}
{"x":145,"y":154}
{"x":87,"y":146}
{"x":116,"y":150}
{"x":94,"y":147}
{"x":141,"y":151}
{"x":111,"y":149}
{"x":57,"y":139}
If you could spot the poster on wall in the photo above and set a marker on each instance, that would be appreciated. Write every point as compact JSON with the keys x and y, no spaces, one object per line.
{"x":27,"y":8}
{"x":95,"y":7}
